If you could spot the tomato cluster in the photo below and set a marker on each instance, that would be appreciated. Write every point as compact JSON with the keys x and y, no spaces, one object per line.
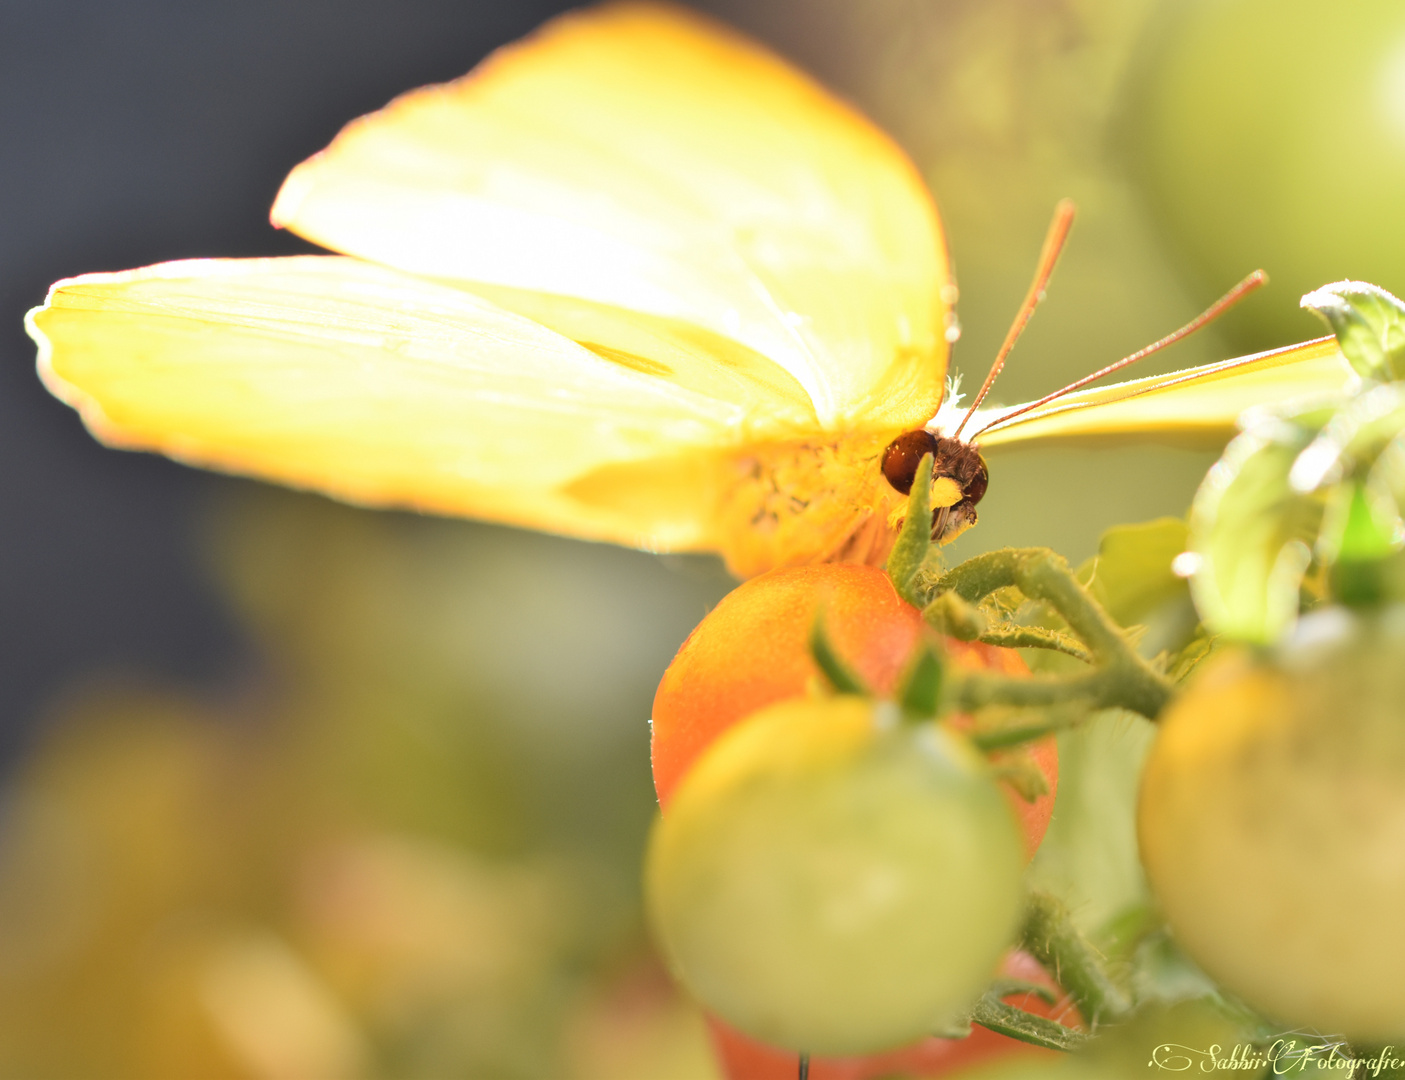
{"x":773,"y":800}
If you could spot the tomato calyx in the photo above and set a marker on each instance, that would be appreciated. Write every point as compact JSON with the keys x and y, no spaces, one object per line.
{"x":920,"y":700}
{"x":1117,"y":677}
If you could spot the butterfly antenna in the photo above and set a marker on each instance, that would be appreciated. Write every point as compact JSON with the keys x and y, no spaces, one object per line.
{"x":1255,"y":280}
{"x":1048,"y":256}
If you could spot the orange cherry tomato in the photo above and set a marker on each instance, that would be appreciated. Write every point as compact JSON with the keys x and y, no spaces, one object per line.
{"x":753,"y":650}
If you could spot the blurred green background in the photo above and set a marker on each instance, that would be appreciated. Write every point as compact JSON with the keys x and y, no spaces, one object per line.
{"x":296,"y":790}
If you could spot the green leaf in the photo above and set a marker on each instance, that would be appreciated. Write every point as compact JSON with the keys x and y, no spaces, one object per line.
{"x":1133,"y":578}
{"x":1369,"y":323}
{"x":1253,"y":531}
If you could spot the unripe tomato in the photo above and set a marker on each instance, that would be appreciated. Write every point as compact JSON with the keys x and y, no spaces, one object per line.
{"x":832,"y":880}
{"x":1272,"y":824}
{"x":753,"y":649}
{"x":1272,"y":133}
{"x":746,"y":1059}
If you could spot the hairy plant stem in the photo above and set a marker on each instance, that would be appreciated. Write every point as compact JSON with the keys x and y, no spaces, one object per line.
{"x":1120,"y":677}
{"x":1034,"y":637}
{"x":1050,"y":936}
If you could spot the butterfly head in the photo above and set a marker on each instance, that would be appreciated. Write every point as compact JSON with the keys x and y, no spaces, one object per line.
{"x":959,"y":477}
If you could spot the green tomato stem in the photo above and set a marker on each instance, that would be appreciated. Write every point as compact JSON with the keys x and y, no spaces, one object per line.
{"x":1051,"y":937}
{"x":977,"y":689}
{"x":1016,"y":735}
{"x":1122,"y":678}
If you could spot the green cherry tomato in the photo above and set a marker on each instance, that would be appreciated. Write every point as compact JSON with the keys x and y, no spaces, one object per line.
{"x":831,"y":880}
{"x":1272,"y":133}
{"x":1272,"y":824}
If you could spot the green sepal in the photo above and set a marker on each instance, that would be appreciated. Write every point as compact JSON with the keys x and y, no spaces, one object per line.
{"x":922,"y":689}
{"x":950,"y":615}
{"x":1012,"y":636}
{"x":915,"y":536}
{"x":1014,"y":1023}
{"x":835,"y":671}
{"x":1357,"y":527}
{"x":1370,"y":326}
{"x":1023,"y":776}
{"x":1254,"y":530}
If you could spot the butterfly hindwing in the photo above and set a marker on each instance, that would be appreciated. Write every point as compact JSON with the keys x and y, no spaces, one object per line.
{"x":1196,"y":406}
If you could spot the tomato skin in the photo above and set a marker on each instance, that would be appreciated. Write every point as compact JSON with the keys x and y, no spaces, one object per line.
{"x":1271,"y":818}
{"x":753,"y":649}
{"x":746,"y":1059}
{"x":829,"y":878}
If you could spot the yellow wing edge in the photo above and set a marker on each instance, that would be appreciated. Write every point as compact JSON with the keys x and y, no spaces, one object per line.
{"x":1197,"y":406}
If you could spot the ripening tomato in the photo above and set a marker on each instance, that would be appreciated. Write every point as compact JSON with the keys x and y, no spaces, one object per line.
{"x":1272,"y":824}
{"x":831,"y":879}
{"x":753,"y":649}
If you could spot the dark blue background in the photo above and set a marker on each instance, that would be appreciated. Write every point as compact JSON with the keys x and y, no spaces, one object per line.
{"x":130,"y":133}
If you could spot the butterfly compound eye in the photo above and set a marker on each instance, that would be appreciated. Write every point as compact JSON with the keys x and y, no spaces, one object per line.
{"x":902,"y":456}
{"x":975,"y":487}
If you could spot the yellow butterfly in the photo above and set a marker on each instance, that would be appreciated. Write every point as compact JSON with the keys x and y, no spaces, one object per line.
{"x":632,"y":279}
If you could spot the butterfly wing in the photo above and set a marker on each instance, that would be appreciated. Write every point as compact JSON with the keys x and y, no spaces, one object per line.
{"x":380,"y":388}
{"x":641,"y":281}
{"x":1197,"y":406}
{"x":642,"y":157}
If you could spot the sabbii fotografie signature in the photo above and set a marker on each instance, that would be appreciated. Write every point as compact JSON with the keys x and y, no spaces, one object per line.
{"x":1284,"y":1056}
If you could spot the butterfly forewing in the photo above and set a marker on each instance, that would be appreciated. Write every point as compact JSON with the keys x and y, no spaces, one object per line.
{"x":374,"y":386}
{"x":643,"y":157}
